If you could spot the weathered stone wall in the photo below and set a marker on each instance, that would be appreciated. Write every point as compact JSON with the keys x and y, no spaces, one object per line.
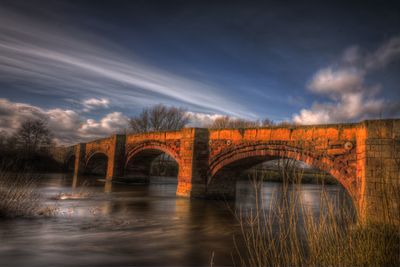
{"x":200,"y":156}
{"x":116,"y":157}
{"x":382,"y":170}
{"x":191,"y":176}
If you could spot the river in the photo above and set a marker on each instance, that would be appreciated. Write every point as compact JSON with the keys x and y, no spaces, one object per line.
{"x":132,"y":225}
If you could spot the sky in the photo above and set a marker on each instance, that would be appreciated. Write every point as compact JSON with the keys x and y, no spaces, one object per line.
{"x":87,"y":66}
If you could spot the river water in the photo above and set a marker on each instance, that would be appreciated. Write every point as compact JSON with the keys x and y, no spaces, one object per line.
{"x":132,"y":225}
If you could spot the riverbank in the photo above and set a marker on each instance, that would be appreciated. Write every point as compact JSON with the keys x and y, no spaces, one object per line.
{"x":309,"y":176}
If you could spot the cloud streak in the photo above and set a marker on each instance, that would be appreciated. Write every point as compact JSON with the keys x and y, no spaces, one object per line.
{"x":31,"y":50}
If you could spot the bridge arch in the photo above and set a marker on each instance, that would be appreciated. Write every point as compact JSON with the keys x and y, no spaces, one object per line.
{"x":225,"y":165}
{"x":141,"y":156}
{"x":97,"y":163}
{"x":69,"y":162}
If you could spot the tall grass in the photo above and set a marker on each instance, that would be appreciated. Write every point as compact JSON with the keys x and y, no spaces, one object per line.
{"x":287,"y":232}
{"x":19,"y":196}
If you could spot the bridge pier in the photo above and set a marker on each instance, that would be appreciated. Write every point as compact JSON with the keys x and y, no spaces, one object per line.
{"x":379,"y":171}
{"x":192,"y":176}
{"x":116,"y":157}
{"x":80,"y":153}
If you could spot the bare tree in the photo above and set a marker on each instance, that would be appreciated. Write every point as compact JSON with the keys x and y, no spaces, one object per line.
{"x":267,"y":122}
{"x":286,"y":124}
{"x":220,"y":123}
{"x":33,"y":136}
{"x":3,"y":140}
{"x":242,"y":123}
{"x":7,"y":142}
{"x":159,"y":118}
{"x":227,"y":122}
{"x":140,"y":123}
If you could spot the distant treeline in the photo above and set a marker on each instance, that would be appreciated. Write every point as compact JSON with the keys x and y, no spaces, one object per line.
{"x":27,"y":149}
{"x":163,"y":118}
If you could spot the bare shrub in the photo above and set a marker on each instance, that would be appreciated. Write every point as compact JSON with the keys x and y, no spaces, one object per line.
{"x":227,"y":122}
{"x":270,"y":234}
{"x":289,"y":170}
{"x":19,"y":196}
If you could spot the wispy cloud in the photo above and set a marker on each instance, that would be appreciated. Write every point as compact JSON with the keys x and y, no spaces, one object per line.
{"x":387,"y":53}
{"x":344,"y":84}
{"x":95,"y":103}
{"x":74,"y":64}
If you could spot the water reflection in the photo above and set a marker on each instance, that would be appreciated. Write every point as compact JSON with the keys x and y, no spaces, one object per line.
{"x":108,"y":187}
{"x":144,"y":225}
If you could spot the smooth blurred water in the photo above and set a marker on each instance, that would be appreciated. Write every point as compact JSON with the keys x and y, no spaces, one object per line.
{"x":133,"y":225}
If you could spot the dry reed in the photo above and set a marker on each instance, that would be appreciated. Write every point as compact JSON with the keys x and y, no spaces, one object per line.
{"x":288,"y":232}
{"x":19,"y":196}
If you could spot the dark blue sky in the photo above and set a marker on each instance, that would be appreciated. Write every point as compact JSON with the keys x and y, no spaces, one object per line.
{"x":246,"y":59}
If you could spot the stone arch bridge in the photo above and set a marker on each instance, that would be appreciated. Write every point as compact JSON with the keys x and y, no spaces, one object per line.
{"x":364,"y":157}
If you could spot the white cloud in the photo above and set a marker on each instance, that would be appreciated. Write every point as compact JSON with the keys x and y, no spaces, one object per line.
{"x":109,"y":124}
{"x":68,"y":126}
{"x":11,"y":114}
{"x":63,"y":124}
{"x":95,"y":103}
{"x":198,"y":119}
{"x":316,"y":115}
{"x":351,"y":99}
{"x":351,"y":107}
{"x":329,"y":81}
